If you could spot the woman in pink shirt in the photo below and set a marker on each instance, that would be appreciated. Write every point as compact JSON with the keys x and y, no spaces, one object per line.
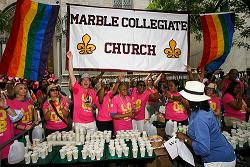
{"x":6,"y":126}
{"x":55,"y":106}
{"x":21,"y":102}
{"x":214,"y":102}
{"x":84,"y":99}
{"x":104,"y":120}
{"x":121,"y":109}
{"x":232,"y":101}
{"x":175,"y":109}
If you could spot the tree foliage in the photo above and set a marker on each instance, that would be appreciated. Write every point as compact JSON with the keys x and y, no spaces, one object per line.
{"x":196,"y":7}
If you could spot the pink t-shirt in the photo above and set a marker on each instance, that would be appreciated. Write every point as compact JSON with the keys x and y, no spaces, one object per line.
{"x":104,"y":108}
{"x":229,"y":111}
{"x":83,"y":101}
{"x":153,"y":101}
{"x":6,"y":132}
{"x":27,"y":109}
{"x":139,"y":102}
{"x":54,"y":122}
{"x":214,"y":103}
{"x":121,"y":106}
{"x":175,"y":110}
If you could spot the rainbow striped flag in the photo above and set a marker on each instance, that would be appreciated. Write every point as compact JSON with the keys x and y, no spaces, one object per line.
{"x":27,"y":49}
{"x":218,"y":32}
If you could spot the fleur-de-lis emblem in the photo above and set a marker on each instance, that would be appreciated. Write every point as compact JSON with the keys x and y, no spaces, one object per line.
{"x":86,"y":47}
{"x":172,"y":52}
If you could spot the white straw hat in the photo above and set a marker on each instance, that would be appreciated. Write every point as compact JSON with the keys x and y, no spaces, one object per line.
{"x":194,"y":91}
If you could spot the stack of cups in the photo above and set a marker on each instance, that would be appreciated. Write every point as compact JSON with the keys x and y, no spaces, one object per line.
{"x":62,"y":153}
{"x":84,"y":153}
{"x":75,"y":154}
{"x":34,"y":157}
{"x":150,"y":151}
{"x":27,"y":158}
{"x":69,"y":155}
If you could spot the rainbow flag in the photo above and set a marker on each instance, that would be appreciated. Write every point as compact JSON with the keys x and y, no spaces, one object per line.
{"x":218,"y":32}
{"x":27,"y":49}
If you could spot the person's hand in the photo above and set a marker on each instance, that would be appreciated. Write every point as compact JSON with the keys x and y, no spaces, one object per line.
{"x":69,"y":55}
{"x":181,"y":136}
{"x":121,"y":77}
{"x":2,"y":103}
{"x":28,"y":127}
{"x":189,"y":69}
{"x":36,"y":122}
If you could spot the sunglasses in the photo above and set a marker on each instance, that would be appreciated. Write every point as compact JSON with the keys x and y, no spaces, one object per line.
{"x":142,"y":85}
{"x":53,"y":90}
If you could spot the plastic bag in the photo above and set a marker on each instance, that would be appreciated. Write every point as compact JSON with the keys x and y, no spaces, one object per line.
{"x":150,"y":129}
{"x":38,"y":133}
{"x":153,"y":118}
{"x":16,"y":153}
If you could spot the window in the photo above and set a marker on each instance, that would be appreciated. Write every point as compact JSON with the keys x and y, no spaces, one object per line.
{"x":128,"y":4}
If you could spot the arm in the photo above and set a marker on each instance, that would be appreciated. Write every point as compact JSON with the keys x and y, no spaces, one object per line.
{"x":120,"y":116}
{"x":147,"y":78}
{"x":115,"y":88}
{"x":202,"y":74}
{"x":189,"y":72}
{"x":157,"y":80}
{"x":101,"y":94}
{"x":71,"y":73}
{"x":236,"y":104}
{"x":96,"y":79}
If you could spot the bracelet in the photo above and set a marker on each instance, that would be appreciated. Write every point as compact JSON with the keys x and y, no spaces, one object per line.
{"x":6,"y":108}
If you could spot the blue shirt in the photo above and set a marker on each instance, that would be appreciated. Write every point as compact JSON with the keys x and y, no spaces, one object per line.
{"x":207,"y":139}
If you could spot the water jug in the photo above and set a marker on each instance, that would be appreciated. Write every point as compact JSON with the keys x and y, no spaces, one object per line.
{"x":16,"y":152}
{"x":169,"y":128}
{"x":38,"y":133}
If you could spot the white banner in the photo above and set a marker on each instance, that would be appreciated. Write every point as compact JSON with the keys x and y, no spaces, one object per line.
{"x":118,"y":39}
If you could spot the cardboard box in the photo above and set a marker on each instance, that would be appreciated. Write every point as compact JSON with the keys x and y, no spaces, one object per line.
{"x":162,"y":159}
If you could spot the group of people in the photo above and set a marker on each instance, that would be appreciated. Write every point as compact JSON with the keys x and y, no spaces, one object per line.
{"x":122,"y":106}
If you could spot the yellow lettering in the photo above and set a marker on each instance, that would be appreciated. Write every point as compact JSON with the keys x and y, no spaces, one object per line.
{"x":3,"y":123}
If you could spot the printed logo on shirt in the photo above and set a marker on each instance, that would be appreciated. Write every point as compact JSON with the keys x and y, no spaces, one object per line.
{"x":137,"y":104}
{"x":3,"y":123}
{"x":54,"y":117}
{"x":212,"y":105}
{"x":126,"y":109}
{"x":27,"y":116}
{"x":86,"y":103}
{"x":177,"y":107}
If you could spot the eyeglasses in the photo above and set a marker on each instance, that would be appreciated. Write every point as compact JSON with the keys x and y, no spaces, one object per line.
{"x":53,"y":90}
{"x":142,"y":85}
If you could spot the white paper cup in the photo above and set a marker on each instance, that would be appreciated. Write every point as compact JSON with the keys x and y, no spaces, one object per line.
{"x":98,"y":154}
{"x":119,"y":152}
{"x":150,"y":151}
{"x":49,"y":147}
{"x":34,"y":158}
{"x":84,"y":154}
{"x":92,"y":155}
{"x":62,"y":153}
{"x":59,"y":137}
{"x":75,"y":154}
{"x":27,"y":158}
{"x":112,"y":151}
{"x":142,"y":151}
{"x":234,"y":124}
{"x":241,"y":142}
{"x":43,"y":153}
{"x":125,"y":151}
{"x":69,"y":155}
{"x":135,"y":152}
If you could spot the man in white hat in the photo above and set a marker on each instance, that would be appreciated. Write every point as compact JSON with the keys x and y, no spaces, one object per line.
{"x":204,"y":134}
{"x":84,"y":99}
